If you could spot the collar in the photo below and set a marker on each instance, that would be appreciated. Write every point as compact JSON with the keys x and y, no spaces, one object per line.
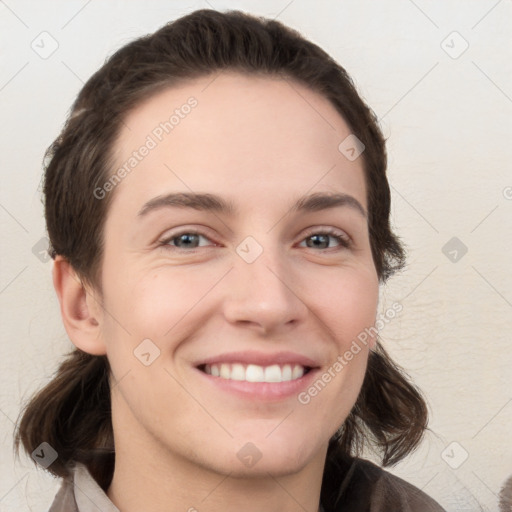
{"x":89,"y":496}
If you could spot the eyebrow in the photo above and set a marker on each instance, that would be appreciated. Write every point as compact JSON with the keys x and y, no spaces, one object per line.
{"x":213,"y":203}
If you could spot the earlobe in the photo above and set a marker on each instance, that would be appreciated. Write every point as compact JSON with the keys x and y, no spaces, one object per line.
{"x":81,"y":314}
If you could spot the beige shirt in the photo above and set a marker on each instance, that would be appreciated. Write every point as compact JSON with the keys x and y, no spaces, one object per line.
{"x":82,"y":495}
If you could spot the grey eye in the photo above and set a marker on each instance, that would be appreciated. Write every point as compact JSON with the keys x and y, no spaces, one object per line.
{"x":186,"y":240}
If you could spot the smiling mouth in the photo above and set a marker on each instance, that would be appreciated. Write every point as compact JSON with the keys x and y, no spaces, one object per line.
{"x":254,"y":372}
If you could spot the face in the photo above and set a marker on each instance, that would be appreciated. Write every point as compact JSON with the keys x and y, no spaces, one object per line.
{"x":225,"y":314}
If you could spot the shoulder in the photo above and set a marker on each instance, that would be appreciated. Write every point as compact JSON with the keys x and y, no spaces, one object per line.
{"x":367,"y":487}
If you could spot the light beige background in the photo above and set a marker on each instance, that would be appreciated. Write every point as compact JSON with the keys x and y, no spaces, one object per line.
{"x":449,"y":124}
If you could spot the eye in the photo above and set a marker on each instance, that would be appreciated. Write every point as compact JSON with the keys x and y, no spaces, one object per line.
{"x":184,"y":240}
{"x":321,"y":239}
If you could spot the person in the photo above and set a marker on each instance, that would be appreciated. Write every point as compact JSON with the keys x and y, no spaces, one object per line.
{"x":219,"y":218}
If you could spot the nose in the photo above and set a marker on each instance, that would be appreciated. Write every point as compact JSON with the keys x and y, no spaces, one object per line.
{"x":264,"y":295}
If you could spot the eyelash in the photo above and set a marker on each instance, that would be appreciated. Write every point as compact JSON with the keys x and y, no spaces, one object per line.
{"x":343,"y":240}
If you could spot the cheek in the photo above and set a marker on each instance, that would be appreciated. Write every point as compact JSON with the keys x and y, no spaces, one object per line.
{"x":346,"y":306}
{"x":152,"y":303}
{"x":346,"y":303}
{"x":155,"y":312}
{"x":348,"y":310}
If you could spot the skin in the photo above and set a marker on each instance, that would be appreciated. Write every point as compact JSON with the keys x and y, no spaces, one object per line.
{"x":262,"y":144}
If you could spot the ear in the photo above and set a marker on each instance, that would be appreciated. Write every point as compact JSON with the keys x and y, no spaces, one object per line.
{"x":81,"y":312}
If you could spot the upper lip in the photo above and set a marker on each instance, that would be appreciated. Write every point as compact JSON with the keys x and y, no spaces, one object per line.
{"x":260,"y":359}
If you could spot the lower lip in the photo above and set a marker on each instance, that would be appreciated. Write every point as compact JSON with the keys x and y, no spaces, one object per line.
{"x":269,"y":391}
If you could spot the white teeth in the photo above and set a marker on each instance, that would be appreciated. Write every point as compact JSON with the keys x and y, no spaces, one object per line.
{"x":273,"y":373}
{"x":298,"y":372}
{"x":225,"y":371}
{"x":237,"y":372}
{"x":255,"y":373}
{"x":286,"y":372}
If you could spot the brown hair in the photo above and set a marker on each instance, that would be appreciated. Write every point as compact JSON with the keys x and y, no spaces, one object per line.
{"x":72,"y":413}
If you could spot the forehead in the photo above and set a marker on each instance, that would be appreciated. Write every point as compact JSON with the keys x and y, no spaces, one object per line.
{"x":236,"y":134}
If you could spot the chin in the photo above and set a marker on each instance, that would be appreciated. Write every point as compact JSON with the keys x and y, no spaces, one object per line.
{"x":278,"y":466}
{"x":263,"y":457}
